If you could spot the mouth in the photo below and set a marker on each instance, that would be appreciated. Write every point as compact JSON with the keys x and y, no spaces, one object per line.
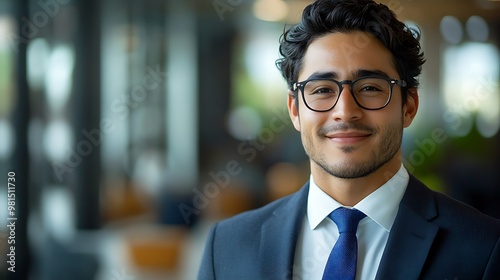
{"x":348,"y":137}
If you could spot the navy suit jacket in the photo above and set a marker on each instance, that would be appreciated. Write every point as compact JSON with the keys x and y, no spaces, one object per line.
{"x":433,"y":237}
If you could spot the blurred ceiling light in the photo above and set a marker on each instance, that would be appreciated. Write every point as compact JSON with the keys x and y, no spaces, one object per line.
{"x":57,"y":211}
{"x":38,"y":53}
{"x":270,"y":10}
{"x":488,"y":120}
{"x":260,"y":53}
{"x":477,"y":29}
{"x":149,"y":169}
{"x":57,"y":140}
{"x":451,"y":29}
{"x":244,"y":123}
{"x":471,"y":87}
{"x":59,"y":76}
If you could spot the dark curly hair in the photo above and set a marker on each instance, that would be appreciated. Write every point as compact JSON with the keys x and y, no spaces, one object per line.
{"x":330,"y":16}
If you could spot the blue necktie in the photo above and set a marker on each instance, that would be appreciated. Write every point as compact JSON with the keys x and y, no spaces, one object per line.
{"x":342,"y":261}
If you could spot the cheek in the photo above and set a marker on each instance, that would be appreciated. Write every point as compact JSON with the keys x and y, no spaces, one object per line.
{"x":311,"y":117}
{"x":394,"y":112}
{"x":392,"y":119}
{"x":311,"y":122}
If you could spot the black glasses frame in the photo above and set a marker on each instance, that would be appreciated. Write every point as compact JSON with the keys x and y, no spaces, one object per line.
{"x":392,"y":82}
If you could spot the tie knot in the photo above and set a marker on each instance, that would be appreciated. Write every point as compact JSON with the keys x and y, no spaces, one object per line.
{"x":346,"y":219}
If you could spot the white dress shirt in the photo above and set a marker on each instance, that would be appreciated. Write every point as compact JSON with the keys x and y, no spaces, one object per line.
{"x":319,"y":233}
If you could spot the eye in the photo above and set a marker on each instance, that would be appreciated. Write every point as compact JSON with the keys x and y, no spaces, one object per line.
{"x":323,"y":90}
{"x":370,"y":88}
{"x":371,"y":85}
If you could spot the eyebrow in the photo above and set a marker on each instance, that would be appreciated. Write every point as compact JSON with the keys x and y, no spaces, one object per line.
{"x":323,"y":75}
{"x":356,"y":74}
{"x":363,"y":73}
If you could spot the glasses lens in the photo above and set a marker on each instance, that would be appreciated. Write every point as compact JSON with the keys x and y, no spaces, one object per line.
{"x":372,"y":93}
{"x":321,"y":95}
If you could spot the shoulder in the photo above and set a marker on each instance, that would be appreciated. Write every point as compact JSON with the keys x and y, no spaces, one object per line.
{"x":450,"y":213}
{"x":255,"y":217}
{"x":245,"y":231}
{"x":287,"y":209}
{"x":449,"y":232}
{"x":456,"y":213}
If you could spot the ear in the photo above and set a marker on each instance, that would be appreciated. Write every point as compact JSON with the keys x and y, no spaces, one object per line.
{"x":293,"y":110}
{"x":410,"y":107}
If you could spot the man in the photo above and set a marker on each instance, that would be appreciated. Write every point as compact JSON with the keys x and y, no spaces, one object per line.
{"x":352,"y":71}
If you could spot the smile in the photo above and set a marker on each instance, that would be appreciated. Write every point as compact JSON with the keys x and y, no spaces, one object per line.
{"x":348,"y":137}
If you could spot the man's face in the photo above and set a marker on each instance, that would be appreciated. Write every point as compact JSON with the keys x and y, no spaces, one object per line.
{"x":349,"y":141}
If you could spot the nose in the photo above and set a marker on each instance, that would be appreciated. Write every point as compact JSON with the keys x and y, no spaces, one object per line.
{"x":346,"y":109}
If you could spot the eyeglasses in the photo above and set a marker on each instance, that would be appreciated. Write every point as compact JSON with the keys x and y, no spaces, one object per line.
{"x":370,"y":92}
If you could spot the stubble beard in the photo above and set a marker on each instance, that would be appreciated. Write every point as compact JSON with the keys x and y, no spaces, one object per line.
{"x":385,"y":150}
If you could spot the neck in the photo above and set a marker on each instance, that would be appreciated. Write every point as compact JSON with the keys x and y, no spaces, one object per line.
{"x":349,"y":192}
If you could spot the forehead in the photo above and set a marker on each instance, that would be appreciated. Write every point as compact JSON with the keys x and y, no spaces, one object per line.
{"x":345,"y":54}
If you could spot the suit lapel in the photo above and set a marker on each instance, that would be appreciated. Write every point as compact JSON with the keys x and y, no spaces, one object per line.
{"x":411,"y":235}
{"x":279,"y":236}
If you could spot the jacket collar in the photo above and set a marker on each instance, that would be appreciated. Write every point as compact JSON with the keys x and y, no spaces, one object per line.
{"x":411,"y":235}
{"x":407,"y":247}
{"x":279,"y":237}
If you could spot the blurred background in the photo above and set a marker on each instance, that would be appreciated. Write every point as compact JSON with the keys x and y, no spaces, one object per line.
{"x":132,"y":126}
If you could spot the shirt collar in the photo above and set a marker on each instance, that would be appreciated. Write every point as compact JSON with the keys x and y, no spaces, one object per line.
{"x":381,"y":205}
